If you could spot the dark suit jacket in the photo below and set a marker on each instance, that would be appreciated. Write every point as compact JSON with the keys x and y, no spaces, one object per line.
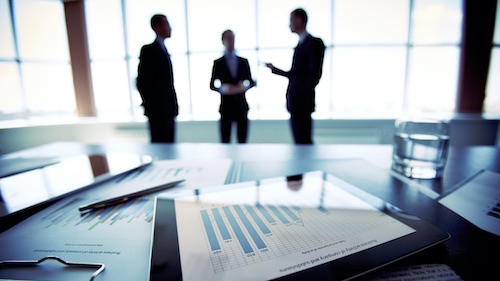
{"x":155,"y":82}
{"x":232,"y":103}
{"x":304,"y":75}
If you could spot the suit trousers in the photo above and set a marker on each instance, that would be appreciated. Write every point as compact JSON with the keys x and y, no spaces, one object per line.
{"x":301,"y":123}
{"x":162,"y":129}
{"x":226,"y":123}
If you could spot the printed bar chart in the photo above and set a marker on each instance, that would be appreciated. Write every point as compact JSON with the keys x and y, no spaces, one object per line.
{"x":263,"y":227}
{"x":251,"y":230}
{"x":237,"y":230}
{"x":262,"y":232}
{"x":214,"y":244}
{"x":290,"y":213}
{"x":221,"y":225}
{"x":266,"y":214}
{"x":279,"y":215}
{"x":247,"y":225}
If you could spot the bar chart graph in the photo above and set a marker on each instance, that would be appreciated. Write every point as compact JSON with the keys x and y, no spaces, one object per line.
{"x":245,"y":229}
{"x":68,"y":215}
{"x":268,"y":229}
{"x":239,"y":235}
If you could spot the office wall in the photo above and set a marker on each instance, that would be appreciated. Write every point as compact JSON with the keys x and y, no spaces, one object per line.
{"x":464,"y":131}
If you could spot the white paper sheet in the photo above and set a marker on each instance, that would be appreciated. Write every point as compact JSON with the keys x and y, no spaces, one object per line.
{"x":272,"y":230}
{"x":478,"y":201}
{"x":118,"y":236}
{"x":197,"y":174}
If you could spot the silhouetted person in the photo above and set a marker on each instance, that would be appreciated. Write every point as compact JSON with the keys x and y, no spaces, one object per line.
{"x":231,"y":77}
{"x":155,"y":82}
{"x":304,"y":75}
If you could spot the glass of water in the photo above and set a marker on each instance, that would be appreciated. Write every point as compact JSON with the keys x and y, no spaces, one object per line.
{"x":420,"y":147}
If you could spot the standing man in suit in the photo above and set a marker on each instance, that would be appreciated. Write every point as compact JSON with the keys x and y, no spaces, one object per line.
{"x":155,"y":82}
{"x":304,"y":75}
{"x":231,"y":77}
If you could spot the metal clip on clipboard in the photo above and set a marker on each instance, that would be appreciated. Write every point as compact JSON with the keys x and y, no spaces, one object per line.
{"x":19,"y":263}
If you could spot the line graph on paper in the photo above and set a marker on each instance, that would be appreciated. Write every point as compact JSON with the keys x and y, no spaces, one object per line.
{"x":240,"y":235}
{"x":68,"y":215}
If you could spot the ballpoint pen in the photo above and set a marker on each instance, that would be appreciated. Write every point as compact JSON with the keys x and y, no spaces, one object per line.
{"x":123,"y":198}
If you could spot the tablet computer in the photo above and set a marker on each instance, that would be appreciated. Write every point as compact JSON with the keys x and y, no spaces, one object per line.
{"x":312,"y":226}
{"x":25,"y":189}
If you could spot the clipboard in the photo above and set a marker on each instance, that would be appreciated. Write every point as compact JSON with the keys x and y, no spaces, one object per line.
{"x":99,"y":267}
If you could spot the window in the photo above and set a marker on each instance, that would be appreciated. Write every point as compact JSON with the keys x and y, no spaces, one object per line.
{"x":108,"y":58}
{"x":208,"y":19}
{"x":370,"y":22}
{"x":11,"y":102}
{"x":432,"y":79}
{"x":368,"y":81}
{"x":492,"y":101}
{"x":369,"y":54}
{"x":7,"y":49}
{"x":434,"y":55}
{"x":34,"y":62}
{"x":437,"y":22}
{"x":383,"y":57}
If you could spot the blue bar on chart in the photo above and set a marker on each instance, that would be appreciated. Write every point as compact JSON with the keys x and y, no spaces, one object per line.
{"x":291,"y":214}
{"x":237,"y":230}
{"x":278,"y":214}
{"x":212,"y":238}
{"x":263,"y":227}
{"x":322,"y":209}
{"x":251,"y":230}
{"x":265,"y":213}
{"x":221,"y":225}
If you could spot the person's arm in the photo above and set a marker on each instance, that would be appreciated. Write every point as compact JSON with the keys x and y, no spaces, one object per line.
{"x":223,"y":89}
{"x":251,"y":82}
{"x":215,"y":77}
{"x":144,"y":73}
{"x":277,"y":71}
{"x":315,"y":63}
{"x":230,"y":89}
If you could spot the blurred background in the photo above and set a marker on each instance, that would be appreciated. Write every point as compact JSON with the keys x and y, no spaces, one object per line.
{"x":384,"y":58}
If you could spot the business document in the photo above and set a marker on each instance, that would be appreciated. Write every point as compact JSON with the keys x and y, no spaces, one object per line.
{"x":118,"y":236}
{"x":477,"y":200}
{"x":275,"y":229}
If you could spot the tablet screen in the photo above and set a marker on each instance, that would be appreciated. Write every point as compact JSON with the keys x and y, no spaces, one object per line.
{"x":274,"y":228}
{"x":27,"y":189}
